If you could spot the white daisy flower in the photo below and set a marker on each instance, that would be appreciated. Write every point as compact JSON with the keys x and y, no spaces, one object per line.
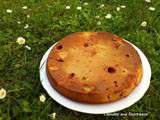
{"x":53,"y":116}
{"x":24,"y":7}
{"x":118,"y":8}
{"x":144,"y":24}
{"x":68,"y":7}
{"x":28,"y":16}
{"x":79,"y":8}
{"x":102,"y":5}
{"x":27,"y":47}
{"x":97,"y":16}
{"x":9,"y":11}
{"x":20,"y":40}
{"x":26,"y":26}
{"x":123,"y":6}
{"x":108,"y":16}
{"x":42,"y":98}
{"x":151,"y":8}
{"x":85,"y":3}
{"x":98,"y":23}
{"x":18,"y":22}
{"x":2,"y":93}
{"x":148,"y":1}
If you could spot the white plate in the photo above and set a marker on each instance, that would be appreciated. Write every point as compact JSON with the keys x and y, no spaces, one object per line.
{"x":136,"y":95}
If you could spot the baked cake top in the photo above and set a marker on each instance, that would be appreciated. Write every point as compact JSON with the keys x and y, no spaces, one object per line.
{"x":95,"y":63}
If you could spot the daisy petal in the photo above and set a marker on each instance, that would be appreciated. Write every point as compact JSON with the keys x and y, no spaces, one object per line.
{"x":42,"y":98}
{"x":151,"y":8}
{"x":9,"y":11}
{"x":20,"y":40}
{"x":2,"y":93}
{"x":79,"y":8}
{"x":24,"y":7}
{"x":68,"y":7}
{"x":144,"y":24}
{"x":108,"y":16}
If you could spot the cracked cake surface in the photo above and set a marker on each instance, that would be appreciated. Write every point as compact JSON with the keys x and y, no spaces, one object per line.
{"x":94,"y":67}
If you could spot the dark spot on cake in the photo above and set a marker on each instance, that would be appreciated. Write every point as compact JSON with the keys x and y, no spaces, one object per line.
{"x":117,"y":65}
{"x":111,"y":70}
{"x":121,"y":94}
{"x":89,"y":42}
{"x":127,"y":55}
{"x":107,"y":89}
{"x":84,"y":78}
{"x":108,"y":96}
{"x":71,"y":75}
{"x":92,"y":53}
{"x":117,"y":91}
{"x":124,"y":71}
{"x":86,"y":45}
{"x":60,"y":60}
{"x":59,"y":47}
{"x":115,"y":83}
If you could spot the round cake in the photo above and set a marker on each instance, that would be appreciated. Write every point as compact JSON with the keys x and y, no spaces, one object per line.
{"x":94,"y":67}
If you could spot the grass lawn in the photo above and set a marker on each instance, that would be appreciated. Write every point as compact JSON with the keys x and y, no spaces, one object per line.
{"x":46,"y":21}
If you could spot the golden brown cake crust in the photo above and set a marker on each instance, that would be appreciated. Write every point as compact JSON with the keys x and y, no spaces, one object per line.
{"x":94,"y":67}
